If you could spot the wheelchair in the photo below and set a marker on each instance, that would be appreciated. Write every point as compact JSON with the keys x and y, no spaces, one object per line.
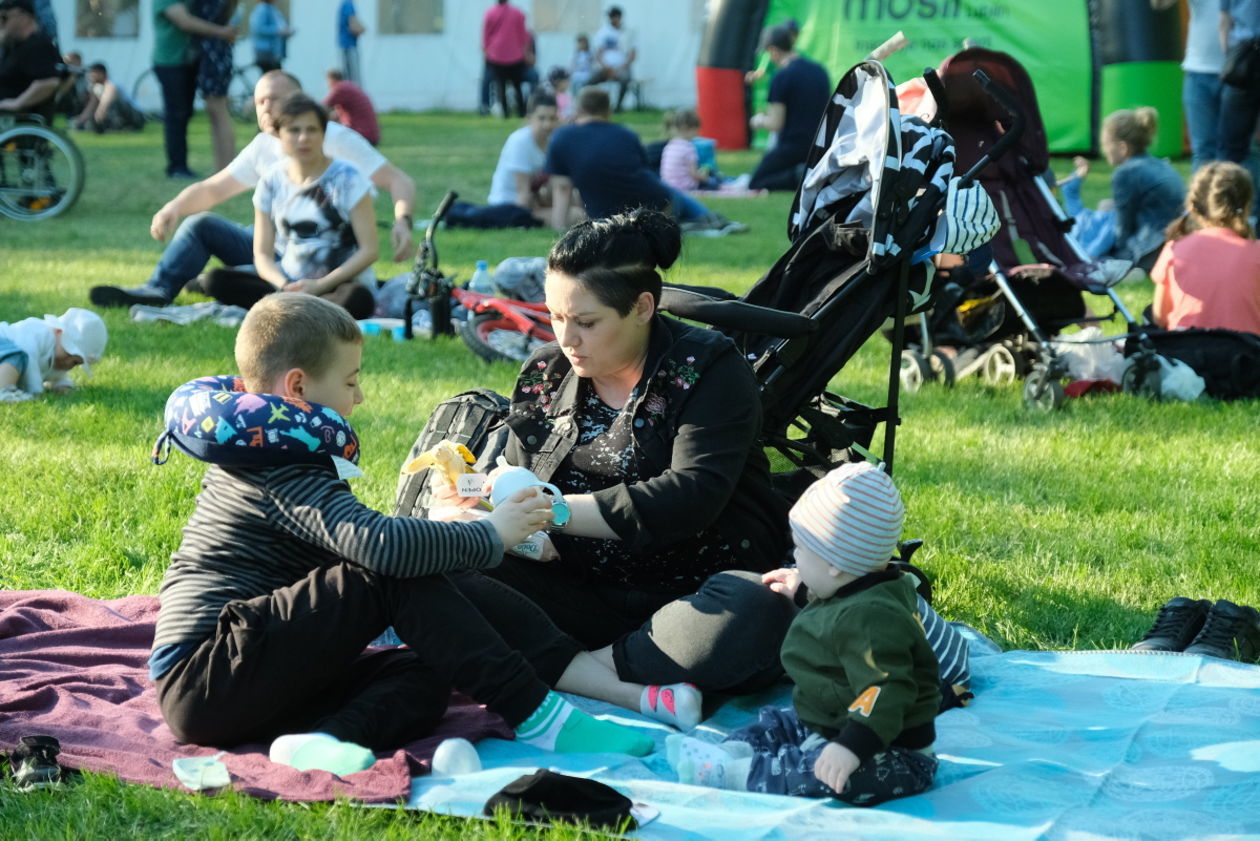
{"x":41,"y":170}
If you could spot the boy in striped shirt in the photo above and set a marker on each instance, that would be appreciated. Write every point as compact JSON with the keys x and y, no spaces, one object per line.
{"x":283,"y":578}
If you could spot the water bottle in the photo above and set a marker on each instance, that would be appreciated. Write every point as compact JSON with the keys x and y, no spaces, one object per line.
{"x":482,"y":281}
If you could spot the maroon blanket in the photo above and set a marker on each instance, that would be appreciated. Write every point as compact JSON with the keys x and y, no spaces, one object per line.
{"x":77,"y":669}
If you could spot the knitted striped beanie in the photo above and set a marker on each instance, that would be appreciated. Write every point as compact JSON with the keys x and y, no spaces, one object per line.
{"x":851,"y":518}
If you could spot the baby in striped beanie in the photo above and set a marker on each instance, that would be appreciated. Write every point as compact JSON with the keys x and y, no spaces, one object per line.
{"x":850,"y":520}
{"x":862,"y":720}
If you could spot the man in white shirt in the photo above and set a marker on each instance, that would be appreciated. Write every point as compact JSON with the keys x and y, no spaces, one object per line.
{"x":521,"y":161}
{"x":614,"y":54}
{"x":203,"y":235}
{"x":518,"y":196}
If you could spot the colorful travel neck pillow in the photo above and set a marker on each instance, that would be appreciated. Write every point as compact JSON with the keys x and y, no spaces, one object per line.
{"x":214,"y":419}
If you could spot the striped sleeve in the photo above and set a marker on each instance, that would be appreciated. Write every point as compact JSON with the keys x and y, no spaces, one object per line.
{"x":947,"y":644}
{"x":326,"y":514}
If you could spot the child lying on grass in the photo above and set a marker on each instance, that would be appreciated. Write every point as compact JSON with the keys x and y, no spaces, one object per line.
{"x":41,"y":352}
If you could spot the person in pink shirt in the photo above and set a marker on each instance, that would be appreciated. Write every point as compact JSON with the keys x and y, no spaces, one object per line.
{"x":349,"y":105}
{"x":504,"y":41}
{"x":1208,"y":274}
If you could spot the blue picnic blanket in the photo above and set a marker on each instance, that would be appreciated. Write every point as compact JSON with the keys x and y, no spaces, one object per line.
{"x":1056,"y":745}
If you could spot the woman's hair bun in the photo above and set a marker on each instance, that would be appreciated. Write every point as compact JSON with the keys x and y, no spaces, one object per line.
{"x":664,"y":238}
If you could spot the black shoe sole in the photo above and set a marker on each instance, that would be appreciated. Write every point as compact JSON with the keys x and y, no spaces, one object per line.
{"x":112,"y":296}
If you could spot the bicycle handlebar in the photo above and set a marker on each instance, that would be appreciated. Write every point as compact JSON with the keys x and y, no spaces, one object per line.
{"x":443,"y":208}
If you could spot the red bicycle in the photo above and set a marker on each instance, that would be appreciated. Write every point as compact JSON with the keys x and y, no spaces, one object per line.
{"x":496,"y":329}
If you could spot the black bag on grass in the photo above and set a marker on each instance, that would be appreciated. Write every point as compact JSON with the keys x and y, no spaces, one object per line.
{"x":548,"y":797}
{"x":473,"y":418}
{"x":1227,"y":360}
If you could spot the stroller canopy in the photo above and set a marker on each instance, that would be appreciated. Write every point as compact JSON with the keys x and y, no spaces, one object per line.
{"x":871,"y":166}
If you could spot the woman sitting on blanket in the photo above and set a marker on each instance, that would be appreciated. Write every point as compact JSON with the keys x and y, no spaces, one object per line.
{"x":650,"y":428}
{"x":314,"y":224}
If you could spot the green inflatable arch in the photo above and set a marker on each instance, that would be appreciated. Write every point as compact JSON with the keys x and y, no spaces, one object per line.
{"x":1086,"y":57}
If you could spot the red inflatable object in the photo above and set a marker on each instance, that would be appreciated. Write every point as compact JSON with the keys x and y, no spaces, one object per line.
{"x":720,"y":98}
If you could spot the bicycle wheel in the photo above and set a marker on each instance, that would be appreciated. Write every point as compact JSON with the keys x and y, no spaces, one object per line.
{"x":146,"y":93}
{"x":41,"y":173}
{"x":240,"y":93}
{"x":496,"y":339}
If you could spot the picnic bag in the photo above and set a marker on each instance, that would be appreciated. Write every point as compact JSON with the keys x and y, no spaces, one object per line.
{"x":472,"y":418}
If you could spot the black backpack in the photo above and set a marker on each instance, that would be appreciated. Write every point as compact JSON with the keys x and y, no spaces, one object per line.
{"x":473,"y":418}
{"x":1227,"y":360}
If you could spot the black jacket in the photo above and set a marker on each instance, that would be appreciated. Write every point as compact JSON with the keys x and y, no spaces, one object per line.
{"x":697,"y":422}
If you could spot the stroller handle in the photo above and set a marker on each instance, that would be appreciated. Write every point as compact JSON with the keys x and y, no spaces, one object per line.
{"x":1009,"y":138}
{"x":735,"y":314}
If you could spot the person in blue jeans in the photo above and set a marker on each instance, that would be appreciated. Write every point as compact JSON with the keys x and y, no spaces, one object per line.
{"x":1201,"y":77}
{"x":349,"y":28}
{"x":1240,"y":107}
{"x":202,"y":235}
{"x":606,"y":163}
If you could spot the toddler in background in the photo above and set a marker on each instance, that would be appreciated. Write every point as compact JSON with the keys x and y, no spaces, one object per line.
{"x":1147,"y":193}
{"x":40,"y":352}
{"x":863,"y":713}
{"x":558,"y":81}
{"x":680,"y":159}
{"x":582,"y":67}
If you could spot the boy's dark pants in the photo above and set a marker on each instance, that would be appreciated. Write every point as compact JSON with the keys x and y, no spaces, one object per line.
{"x":293,"y":661}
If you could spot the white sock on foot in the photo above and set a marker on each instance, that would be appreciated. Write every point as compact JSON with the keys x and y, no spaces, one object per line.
{"x":680,"y":749}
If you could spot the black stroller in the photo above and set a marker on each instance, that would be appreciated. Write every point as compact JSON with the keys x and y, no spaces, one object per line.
{"x":999,"y":323}
{"x":860,"y":225}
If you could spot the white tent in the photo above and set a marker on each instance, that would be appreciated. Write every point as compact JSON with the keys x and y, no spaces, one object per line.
{"x":413,"y":70}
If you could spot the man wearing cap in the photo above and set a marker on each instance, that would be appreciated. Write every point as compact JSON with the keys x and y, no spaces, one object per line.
{"x":28,"y":61}
{"x":614,"y":54}
{"x":202,"y":235}
{"x":798,"y":96}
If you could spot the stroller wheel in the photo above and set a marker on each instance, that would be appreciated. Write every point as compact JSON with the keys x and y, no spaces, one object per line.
{"x":914,"y":371}
{"x":1002,"y":366}
{"x":1041,"y":391}
{"x":942,"y":367}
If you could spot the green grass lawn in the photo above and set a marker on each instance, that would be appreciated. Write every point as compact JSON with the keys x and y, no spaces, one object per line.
{"x":1063,"y":530}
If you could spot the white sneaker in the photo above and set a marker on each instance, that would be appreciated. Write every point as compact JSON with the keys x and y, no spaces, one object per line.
{"x":13,"y":394}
